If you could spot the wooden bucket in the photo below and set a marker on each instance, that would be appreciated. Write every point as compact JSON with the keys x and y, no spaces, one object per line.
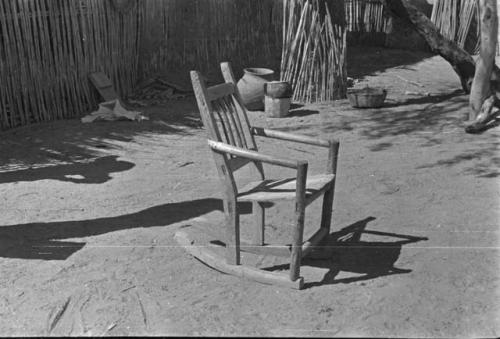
{"x":277,"y":107}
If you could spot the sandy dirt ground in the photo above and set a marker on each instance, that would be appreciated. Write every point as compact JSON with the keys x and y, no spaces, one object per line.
{"x":88,"y":214}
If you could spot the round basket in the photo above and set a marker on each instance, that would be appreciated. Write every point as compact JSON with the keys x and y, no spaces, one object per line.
{"x":368,"y":97}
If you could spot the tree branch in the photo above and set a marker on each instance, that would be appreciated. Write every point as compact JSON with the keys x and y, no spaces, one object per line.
{"x":461,"y":61}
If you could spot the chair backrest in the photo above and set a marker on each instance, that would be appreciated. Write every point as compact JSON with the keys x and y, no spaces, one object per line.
{"x":224,"y":116}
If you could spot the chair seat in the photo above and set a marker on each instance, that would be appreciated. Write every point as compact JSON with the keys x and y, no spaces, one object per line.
{"x":284,"y":189}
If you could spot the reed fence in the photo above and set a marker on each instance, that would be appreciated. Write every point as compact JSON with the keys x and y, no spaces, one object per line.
{"x":314,"y":49}
{"x":458,"y":20}
{"x":366,"y":16}
{"x":180,"y":35}
{"x":48,"y":48}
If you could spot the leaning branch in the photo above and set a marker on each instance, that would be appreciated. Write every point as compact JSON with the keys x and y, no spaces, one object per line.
{"x":483,"y":97}
{"x":461,"y":61}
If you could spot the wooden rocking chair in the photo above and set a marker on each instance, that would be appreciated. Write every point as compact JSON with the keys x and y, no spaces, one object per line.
{"x":232,"y":141}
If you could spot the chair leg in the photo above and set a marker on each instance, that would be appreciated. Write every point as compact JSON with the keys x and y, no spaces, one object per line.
{"x":326,"y":211}
{"x":259,"y":217}
{"x":300,"y":208}
{"x":297,"y":246}
{"x":233,"y":256}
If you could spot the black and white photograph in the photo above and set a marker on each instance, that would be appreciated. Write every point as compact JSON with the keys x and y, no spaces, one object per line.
{"x":250,"y":168}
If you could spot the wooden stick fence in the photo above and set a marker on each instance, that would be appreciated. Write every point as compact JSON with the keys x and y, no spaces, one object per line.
{"x":49,"y":47}
{"x":47,"y":50}
{"x":180,"y":35}
{"x":366,"y":16}
{"x":458,"y":20}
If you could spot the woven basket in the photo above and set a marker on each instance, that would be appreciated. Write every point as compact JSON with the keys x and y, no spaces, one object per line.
{"x":368,"y":97}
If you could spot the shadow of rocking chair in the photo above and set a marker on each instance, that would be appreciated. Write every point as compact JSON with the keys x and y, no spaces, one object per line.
{"x":232,"y":142}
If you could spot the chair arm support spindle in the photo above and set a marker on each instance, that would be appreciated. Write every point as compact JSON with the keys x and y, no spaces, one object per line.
{"x":300,"y":206}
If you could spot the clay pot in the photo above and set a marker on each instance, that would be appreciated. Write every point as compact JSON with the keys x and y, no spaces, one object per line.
{"x":251,"y":87}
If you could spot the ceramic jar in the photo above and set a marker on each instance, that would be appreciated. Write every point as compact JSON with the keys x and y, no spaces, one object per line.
{"x":251,"y":87}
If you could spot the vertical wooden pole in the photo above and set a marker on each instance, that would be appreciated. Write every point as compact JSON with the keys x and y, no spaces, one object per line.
{"x":259,"y":219}
{"x":326,"y":212}
{"x":481,"y":88}
{"x":232,"y":232}
{"x":300,"y":206}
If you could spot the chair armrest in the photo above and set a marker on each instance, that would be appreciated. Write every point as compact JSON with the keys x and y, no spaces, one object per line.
{"x":255,"y":156}
{"x":269,"y":133}
{"x":332,"y":144}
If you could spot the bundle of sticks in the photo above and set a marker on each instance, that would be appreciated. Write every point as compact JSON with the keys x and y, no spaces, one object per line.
{"x":314,"y":49}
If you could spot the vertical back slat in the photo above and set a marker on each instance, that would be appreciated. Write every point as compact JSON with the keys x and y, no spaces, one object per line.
{"x":221,"y":121}
{"x":225,"y":119}
{"x":237,"y":119}
{"x":226,"y":113}
{"x":204,"y":105}
{"x":223,"y":114}
{"x":228,"y":75}
{"x":230,"y":113}
{"x":238,"y":122}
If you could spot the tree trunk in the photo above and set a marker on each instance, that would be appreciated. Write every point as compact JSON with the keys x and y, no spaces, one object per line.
{"x":484,"y":82}
{"x":483,"y":97}
{"x":481,"y":88}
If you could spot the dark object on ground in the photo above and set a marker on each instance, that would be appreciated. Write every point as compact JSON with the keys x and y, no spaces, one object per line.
{"x":104,"y":86}
{"x":368,"y":97}
{"x":278,"y":89}
{"x":475,"y":128}
{"x":482,"y":125}
{"x":157,"y":91}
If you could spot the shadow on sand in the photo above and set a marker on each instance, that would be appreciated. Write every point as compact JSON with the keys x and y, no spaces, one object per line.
{"x":42,"y":240}
{"x":363,"y":60}
{"x":344,"y":251}
{"x":69,"y":143}
{"x":96,"y":171}
{"x":341,"y":251}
